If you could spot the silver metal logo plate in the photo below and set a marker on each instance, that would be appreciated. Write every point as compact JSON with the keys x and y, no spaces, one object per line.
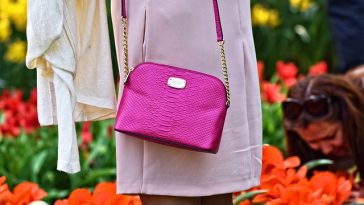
{"x":175,"y":82}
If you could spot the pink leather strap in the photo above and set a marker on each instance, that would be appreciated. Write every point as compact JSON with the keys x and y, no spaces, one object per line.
{"x":219,"y":34}
{"x":123,"y":8}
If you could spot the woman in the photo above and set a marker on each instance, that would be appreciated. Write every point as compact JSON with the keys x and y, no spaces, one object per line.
{"x":324,"y":118}
{"x":68,"y":43}
{"x":182,"y":33}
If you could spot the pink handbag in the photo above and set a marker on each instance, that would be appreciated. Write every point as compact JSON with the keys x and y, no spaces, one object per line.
{"x":174,"y":106}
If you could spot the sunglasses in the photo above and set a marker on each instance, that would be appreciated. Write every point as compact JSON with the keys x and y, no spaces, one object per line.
{"x":316,"y":106}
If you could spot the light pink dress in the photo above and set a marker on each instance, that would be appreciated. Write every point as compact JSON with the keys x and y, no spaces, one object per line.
{"x":182,"y":33}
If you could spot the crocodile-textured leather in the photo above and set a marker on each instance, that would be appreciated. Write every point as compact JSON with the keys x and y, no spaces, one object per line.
{"x":191,"y":118}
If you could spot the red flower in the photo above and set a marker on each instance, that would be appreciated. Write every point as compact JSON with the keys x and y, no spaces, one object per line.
{"x":271,"y":93}
{"x":110,"y":131}
{"x":287,"y":72}
{"x":16,"y":114}
{"x":33,"y":96}
{"x":260,"y":71}
{"x":318,"y":69}
{"x":86,"y":133}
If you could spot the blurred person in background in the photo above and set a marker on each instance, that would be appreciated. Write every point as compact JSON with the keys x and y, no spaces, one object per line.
{"x":347,"y":25}
{"x":324,"y":119}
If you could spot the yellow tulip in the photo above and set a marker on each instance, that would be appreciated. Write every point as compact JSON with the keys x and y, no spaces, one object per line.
{"x":273,"y":18}
{"x":17,"y":12}
{"x":302,"y":5}
{"x":5,"y":30}
{"x":262,"y":16}
{"x":16,"y":52}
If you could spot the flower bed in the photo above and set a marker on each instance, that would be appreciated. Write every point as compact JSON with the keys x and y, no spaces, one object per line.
{"x":16,"y":114}
{"x":283,"y":182}
{"x":33,"y":147}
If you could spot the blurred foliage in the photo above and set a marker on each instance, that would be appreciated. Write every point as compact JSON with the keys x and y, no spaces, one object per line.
{"x":273,"y":132}
{"x":33,"y":157}
{"x":13,"y":72}
{"x":13,"y":46}
{"x":291,"y":30}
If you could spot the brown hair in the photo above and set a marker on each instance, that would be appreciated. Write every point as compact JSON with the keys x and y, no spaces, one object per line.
{"x":347,"y":94}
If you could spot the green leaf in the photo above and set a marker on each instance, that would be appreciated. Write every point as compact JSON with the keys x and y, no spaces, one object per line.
{"x":38,"y":161}
{"x":98,"y":174}
{"x":319,"y":162}
{"x":57,"y":194}
{"x":248,"y":195}
{"x":2,"y":118}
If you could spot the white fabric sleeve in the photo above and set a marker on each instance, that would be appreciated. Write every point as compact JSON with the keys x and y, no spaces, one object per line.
{"x":69,"y":45}
{"x":68,"y":156}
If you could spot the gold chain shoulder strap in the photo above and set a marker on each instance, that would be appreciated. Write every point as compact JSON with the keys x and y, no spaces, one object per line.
{"x":224,"y":71}
{"x":125,"y":48}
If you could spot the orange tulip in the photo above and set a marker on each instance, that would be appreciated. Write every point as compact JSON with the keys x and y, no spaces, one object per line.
{"x":3,"y":186}
{"x":23,"y":193}
{"x":343,"y":190}
{"x":246,"y":202}
{"x":272,"y":155}
{"x":104,"y":194}
{"x":27,"y":192}
{"x":80,"y":197}
{"x":61,"y":202}
{"x":5,"y":194}
{"x":292,"y":162}
{"x":288,"y":186}
{"x":325,"y":181}
{"x":332,"y":187}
